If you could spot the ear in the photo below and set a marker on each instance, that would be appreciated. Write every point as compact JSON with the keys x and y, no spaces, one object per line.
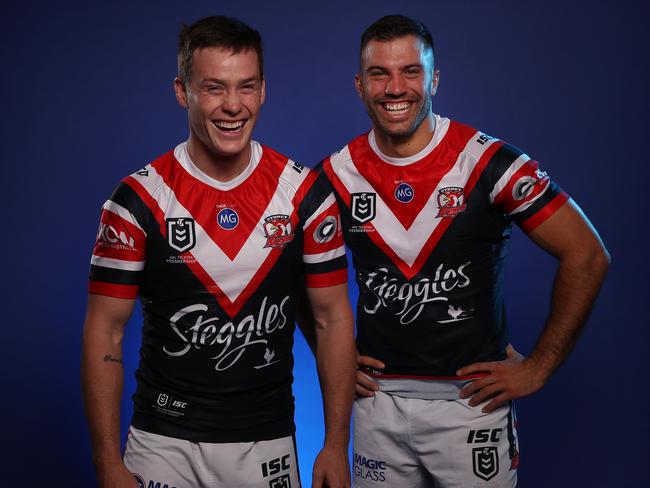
{"x":263,"y":91}
{"x":358,"y":85}
{"x":181,"y":92}
{"x":434,"y":82}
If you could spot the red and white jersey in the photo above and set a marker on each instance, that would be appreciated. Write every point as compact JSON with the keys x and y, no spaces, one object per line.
{"x":217,"y":267}
{"x":429,"y":237}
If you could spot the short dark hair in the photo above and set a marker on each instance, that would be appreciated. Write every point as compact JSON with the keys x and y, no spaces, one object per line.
{"x":391,"y":27}
{"x":216,"y":31}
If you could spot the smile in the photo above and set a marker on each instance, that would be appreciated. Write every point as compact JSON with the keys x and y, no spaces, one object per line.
{"x":229,"y":126}
{"x":396,"y":108}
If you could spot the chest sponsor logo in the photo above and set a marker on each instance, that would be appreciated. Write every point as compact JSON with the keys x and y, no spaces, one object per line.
{"x":227,"y":218}
{"x":451,"y":201}
{"x":404,"y":193}
{"x":181,"y":234}
{"x":277,"y":229}
{"x":408,"y":299}
{"x":363,"y":206}
{"x":228,"y":342}
{"x":485,"y":462}
{"x":139,"y":481}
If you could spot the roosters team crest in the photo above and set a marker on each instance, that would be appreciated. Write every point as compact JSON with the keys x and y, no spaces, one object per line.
{"x":277,"y":229}
{"x":451,"y":201}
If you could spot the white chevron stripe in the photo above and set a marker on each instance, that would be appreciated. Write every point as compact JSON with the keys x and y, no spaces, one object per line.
{"x":232,"y":277}
{"x":117,"y":263}
{"x":324,"y":256}
{"x":327,"y":203}
{"x":505,"y":177}
{"x":123,"y":213}
{"x":408,"y":243}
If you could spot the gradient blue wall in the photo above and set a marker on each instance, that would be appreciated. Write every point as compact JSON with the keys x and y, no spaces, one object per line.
{"x":87,"y":99}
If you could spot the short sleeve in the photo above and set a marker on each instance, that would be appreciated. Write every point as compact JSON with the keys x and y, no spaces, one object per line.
{"x":521,"y":189}
{"x":118,"y":257}
{"x":324,"y":251}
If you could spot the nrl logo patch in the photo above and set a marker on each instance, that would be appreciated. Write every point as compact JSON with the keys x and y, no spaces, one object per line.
{"x":280,"y":482}
{"x":485,"y":461}
{"x":162,"y":399}
{"x":277,"y":229}
{"x":451,"y":201}
{"x":180,"y":234}
{"x":363,"y":206}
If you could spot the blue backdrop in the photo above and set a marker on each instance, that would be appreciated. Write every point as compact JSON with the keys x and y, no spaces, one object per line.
{"x":87,"y":99}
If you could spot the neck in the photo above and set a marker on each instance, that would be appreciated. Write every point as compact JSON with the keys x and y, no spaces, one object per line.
{"x":218,"y":167}
{"x":408,"y":145}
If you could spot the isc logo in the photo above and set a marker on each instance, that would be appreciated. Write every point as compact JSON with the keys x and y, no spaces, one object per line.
{"x":483,"y":435}
{"x":179,"y":404}
{"x":274,"y":466}
{"x":404,"y":193}
{"x":227,"y":219}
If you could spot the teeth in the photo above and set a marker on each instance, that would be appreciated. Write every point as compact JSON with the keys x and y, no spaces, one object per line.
{"x":396,"y":107}
{"x":222,"y":124}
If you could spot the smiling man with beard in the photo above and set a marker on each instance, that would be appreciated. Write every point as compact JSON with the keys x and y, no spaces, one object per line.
{"x":217,"y":237}
{"x":427,"y":205}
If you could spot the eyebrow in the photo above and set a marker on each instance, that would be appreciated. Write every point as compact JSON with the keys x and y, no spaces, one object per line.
{"x":224,"y":82}
{"x":413,"y":65}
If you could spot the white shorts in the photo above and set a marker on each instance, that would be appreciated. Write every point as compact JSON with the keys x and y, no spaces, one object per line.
{"x":158,"y":461}
{"x":415,"y":443}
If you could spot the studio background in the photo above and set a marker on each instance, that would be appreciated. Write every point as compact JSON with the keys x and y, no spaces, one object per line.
{"x":88,"y":99}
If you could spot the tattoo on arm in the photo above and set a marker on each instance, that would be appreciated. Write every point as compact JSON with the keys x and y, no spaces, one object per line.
{"x":110,"y":359}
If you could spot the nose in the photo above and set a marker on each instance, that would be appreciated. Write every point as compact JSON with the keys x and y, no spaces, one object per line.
{"x":232,"y":104}
{"x":396,"y":85}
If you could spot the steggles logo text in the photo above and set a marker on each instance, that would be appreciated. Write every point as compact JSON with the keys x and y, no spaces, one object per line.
{"x":230,"y":341}
{"x":413,"y":296}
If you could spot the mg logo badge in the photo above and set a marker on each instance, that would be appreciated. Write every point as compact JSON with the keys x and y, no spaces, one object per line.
{"x":180,"y":234}
{"x":227,"y":219}
{"x":363,"y":206}
{"x":486,"y":462}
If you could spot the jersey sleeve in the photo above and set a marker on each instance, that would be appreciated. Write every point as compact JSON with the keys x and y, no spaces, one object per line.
{"x":324,"y":251}
{"x":524,"y":192}
{"x":119,"y":254}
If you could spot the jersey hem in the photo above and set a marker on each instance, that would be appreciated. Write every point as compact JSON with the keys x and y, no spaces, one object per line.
{"x":275,"y":430}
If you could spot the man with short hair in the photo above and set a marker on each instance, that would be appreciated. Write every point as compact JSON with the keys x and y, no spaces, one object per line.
{"x":216,"y":238}
{"x":427,"y":206}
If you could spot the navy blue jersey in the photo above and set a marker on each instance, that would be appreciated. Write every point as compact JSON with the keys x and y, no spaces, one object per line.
{"x":217,"y":267}
{"x":429,"y":237}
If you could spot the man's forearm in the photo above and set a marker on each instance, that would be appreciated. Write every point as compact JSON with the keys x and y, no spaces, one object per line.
{"x":102,"y":380}
{"x":576,"y":286}
{"x":336,"y":362}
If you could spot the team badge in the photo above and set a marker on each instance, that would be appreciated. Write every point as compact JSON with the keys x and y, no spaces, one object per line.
{"x":326,"y":230}
{"x":227,"y":218}
{"x":485,"y":461}
{"x":280,"y":482}
{"x":451,"y":201}
{"x":277,"y":229}
{"x":180,"y":233}
{"x":363,"y":206}
{"x":404,"y":193}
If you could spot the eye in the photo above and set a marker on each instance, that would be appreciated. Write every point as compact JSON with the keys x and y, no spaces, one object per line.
{"x":376,"y":73}
{"x":214,"y":88}
{"x":249,"y":88}
{"x":413,"y":71}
